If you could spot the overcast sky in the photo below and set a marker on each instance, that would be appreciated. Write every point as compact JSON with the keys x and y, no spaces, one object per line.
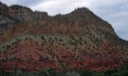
{"x":113,"y":11}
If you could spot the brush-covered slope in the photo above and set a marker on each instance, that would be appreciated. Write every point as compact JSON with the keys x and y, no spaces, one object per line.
{"x":78,"y":40}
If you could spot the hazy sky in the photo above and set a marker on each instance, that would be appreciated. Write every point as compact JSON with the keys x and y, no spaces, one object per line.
{"x":113,"y":11}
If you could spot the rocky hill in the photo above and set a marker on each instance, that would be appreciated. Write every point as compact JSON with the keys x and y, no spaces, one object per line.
{"x":78,"y":40}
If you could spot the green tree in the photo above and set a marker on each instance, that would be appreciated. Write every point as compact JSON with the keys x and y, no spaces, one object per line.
{"x":52,"y":72}
{"x":86,"y":73}
{"x":124,"y":73}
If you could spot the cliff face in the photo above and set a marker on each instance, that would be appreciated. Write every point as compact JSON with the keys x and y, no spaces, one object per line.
{"x":15,"y":14}
{"x":73,"y":41}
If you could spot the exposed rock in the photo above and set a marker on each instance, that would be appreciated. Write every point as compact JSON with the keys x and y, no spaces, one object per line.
{"x":17,"y":14}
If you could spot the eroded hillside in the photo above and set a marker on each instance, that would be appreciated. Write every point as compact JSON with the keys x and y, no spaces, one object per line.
{"x":78,"y":40}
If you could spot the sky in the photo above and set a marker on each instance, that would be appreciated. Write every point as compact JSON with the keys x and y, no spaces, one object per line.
{"x":113,"y":11}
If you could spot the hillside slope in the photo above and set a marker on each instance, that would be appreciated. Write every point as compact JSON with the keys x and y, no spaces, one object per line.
{"x":78,"y":40}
